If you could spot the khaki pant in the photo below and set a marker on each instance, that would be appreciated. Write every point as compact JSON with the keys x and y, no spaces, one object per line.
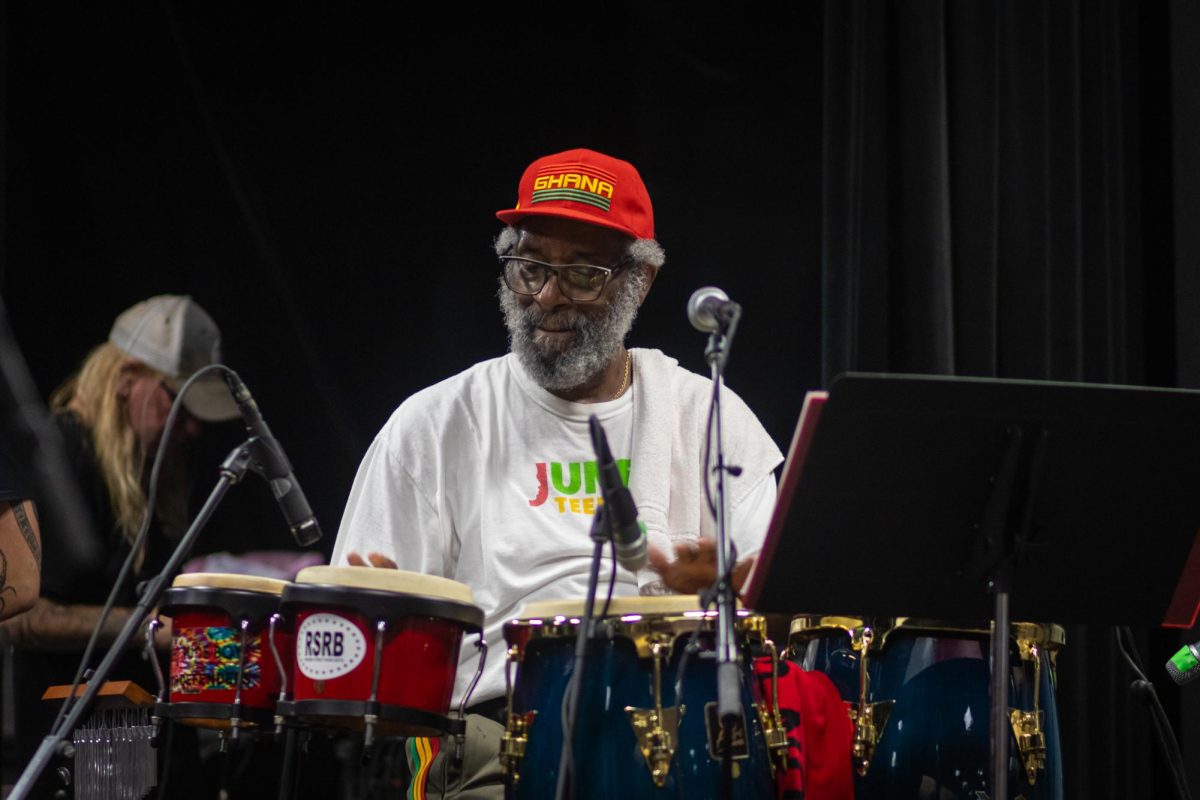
{"x":477,"y":777}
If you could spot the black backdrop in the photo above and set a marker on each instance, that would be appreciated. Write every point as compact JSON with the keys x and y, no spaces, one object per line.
{"x":885,"y":185}
{"x":324,"y":182}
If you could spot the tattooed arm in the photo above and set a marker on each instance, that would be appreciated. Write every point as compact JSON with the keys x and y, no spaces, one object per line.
{"x":47,"y":625}
{"x":57,"y":628}
{"x":20,"y":557}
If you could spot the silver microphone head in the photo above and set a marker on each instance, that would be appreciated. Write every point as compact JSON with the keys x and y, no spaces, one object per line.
{"x":702,"y":308}
{"x":634,"y":555}
{"x":1179,"y":676}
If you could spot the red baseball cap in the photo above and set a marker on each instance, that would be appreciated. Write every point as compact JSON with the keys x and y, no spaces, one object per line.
{"x":587,"y":186}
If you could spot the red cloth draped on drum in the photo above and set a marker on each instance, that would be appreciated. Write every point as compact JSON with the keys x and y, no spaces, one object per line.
{"x":819,"y":734}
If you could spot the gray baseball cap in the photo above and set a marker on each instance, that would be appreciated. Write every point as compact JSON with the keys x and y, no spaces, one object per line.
{"x":175,"y":336}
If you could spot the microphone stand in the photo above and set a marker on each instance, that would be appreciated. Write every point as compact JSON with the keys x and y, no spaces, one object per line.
{"x":246,"y":456}
{"x":602,"y":534}
{"x":729,"y":697}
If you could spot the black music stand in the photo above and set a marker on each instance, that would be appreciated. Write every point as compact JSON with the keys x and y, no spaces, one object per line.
{"x":965,"y":499}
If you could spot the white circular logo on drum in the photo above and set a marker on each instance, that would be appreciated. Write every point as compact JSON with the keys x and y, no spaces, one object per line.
{"x":328,"y":646}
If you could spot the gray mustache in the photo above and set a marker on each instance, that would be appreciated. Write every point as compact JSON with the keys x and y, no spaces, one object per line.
{"x":535,"y":318}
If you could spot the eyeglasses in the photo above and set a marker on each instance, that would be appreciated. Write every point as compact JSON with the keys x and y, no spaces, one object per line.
{"x":579,"y":282}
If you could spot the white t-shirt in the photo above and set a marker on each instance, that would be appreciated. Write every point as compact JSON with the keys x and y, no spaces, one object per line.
{"x":490,"y":480}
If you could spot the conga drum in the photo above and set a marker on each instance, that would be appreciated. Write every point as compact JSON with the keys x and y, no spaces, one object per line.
{"x":223,"y":673}
{"x":646,"y":723}
{"x":377,"y":650}
{"x":918,"y":693}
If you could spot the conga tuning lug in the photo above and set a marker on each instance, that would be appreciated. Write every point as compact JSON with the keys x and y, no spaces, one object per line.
{"x":649,"y":640}
{"x":869,"y":721}
{"x":513,"y":743}
{"x":775,"y":735}
{"x":770,"y":716}
{"x":657,"y":730}
{"x":1031,"y":741}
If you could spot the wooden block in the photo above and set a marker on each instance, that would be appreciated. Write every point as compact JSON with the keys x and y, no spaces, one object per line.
{"x":112,"y":693}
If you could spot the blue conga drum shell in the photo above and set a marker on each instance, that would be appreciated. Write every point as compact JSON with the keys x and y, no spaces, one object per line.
{"x":935,"y":742}
{"x":619,"y":673}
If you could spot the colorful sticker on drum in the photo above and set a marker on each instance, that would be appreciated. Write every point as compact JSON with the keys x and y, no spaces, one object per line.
{"x":206,"y":658}
{"x":328,"y":646}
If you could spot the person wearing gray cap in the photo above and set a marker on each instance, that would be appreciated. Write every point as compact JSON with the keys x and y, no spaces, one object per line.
{"x":111,"y":415}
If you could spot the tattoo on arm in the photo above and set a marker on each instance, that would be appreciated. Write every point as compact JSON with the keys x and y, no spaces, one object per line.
{"x":4,"y":587}
{"x":26,"y":527}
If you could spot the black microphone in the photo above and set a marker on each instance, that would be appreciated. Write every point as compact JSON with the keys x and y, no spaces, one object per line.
{"x":275,"y":467}
{"x":710,"y":309}
{"x":628,"y":535}
{"x":1184,"y":666}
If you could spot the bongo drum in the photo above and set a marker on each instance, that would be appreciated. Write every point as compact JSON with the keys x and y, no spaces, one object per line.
{"x":918,"y":693}
{"x":376,"y":650}
{"x":646,"y":724}
{"x":221,"y":673}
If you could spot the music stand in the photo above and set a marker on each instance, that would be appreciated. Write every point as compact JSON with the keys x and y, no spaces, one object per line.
{"x":964,"y":499}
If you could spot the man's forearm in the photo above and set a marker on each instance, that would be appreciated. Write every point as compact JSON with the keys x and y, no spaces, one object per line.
{"x":55,"y":628}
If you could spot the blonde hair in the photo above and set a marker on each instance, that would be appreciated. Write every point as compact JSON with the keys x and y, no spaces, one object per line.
{"x":93,"y":394}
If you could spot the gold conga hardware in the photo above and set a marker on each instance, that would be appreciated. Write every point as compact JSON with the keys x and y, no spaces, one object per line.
{"x":869,"y":721}
{"x":869,"y":718}
{"x":516,"y":726}
{"x":513,"y":743}
{"x":774,"y":732}
{"x":657,"y":728}
{"x":1031,"y":741}
{"x":1032,"y":640}
{"x":514,"y":656}
{"x":864,"y":731}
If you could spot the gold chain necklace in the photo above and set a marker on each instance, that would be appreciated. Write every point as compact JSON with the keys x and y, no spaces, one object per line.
{"x":625,"y":379}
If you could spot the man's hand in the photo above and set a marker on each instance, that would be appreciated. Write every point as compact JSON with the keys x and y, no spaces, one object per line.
{"x":374,"y":559}
{"x":694,"y":567}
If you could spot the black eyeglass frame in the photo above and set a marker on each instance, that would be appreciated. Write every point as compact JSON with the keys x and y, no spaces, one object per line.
{"x":565,"y":287}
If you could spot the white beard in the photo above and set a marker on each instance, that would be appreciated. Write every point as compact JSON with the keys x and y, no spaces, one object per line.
{"x":595,"y":342}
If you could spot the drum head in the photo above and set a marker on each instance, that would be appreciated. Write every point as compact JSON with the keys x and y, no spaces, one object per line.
{"x":222,"y":580}
{"x":388,"y":580}
{"x":646,"y":606}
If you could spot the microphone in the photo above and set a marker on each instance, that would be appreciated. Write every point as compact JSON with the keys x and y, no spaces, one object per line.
{"x":1184,"y":666}
{"x":275,"y":467}
{"x":628,"y":535}
{"x":710,"y":309}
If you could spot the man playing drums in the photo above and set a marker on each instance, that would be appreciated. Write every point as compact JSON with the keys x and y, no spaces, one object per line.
{"x":489,"y":477}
